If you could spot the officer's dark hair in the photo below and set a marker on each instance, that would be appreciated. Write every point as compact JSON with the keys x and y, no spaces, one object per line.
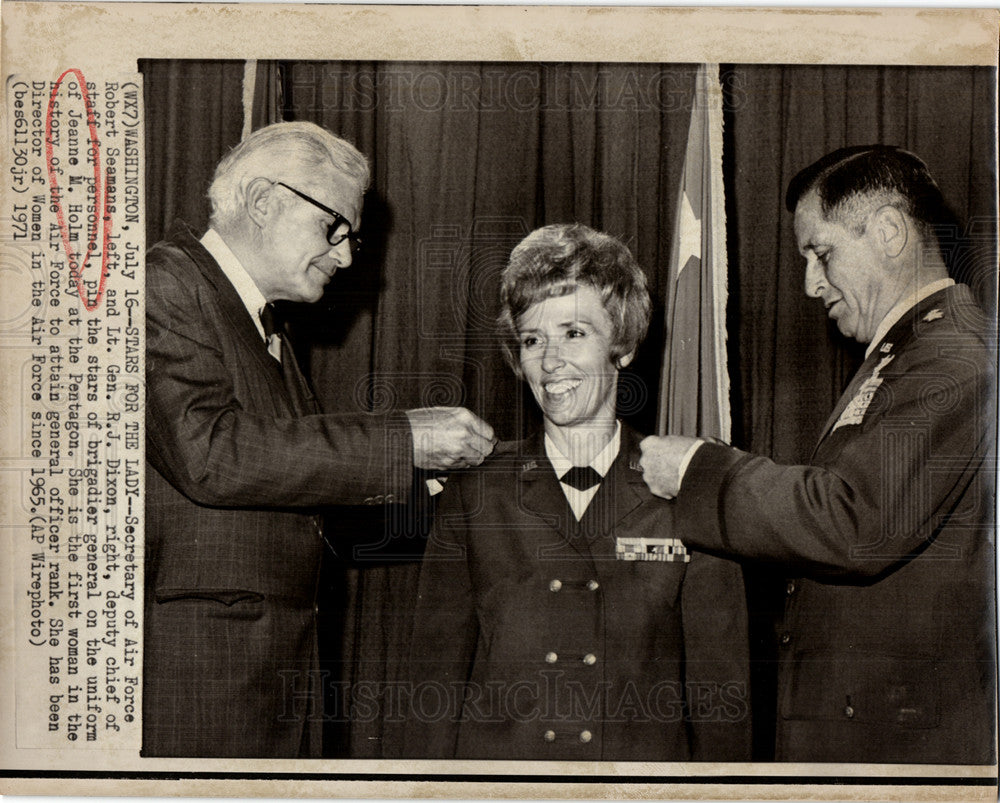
{"x":848,"y":179}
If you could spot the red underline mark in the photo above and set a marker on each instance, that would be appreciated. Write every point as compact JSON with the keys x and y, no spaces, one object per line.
{"x":100,"y":196}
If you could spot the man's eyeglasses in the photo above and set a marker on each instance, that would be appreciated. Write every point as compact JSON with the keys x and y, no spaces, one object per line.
{"x":336,"y":232}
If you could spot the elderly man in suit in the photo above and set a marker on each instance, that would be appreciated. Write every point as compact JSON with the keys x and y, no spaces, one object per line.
{"x":239,"y":457}
{"x":887,"y":647}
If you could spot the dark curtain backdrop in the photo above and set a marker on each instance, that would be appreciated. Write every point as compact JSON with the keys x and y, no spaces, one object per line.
{"x":194,"y":114}
{"x":470,"y":157}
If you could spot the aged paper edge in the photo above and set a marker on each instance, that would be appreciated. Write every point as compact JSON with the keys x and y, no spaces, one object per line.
{"x":107,"y":39}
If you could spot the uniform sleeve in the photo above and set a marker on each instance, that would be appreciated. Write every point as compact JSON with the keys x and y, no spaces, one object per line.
{"x":203,"y":441}
{"x":716,"y":659}
{"x":876,"y":492}
{"x":445,"y":633}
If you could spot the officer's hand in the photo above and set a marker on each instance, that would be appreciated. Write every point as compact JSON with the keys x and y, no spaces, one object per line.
{"x":446,"y":438}
{"x":661,"y":462}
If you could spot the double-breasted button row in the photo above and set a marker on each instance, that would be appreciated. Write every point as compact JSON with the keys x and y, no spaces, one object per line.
{"x":589,"y":659}
{"x":381,"y":499}
{"x":584,"y":736}
{"x":557,"y":584}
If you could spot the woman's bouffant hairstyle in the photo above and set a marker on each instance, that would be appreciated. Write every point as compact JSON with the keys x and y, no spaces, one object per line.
{"x":554,"y":261}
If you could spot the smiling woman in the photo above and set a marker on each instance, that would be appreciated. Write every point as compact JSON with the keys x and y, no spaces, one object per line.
{"x":555,"y":603}
{"x":574,"y":308}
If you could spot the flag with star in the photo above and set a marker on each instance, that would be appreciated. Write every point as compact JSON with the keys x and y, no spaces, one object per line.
{"x":694,"y":385}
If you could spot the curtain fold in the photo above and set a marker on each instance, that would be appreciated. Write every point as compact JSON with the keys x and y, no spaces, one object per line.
{"x":194,"y":114}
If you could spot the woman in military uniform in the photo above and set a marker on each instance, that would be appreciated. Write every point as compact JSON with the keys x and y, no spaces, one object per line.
{"x":560,"y":616}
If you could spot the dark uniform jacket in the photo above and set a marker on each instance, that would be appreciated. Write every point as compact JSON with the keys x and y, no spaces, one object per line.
{"x":533,"y":641}
{"x":232,"y":550}
{"x":888,"y":641}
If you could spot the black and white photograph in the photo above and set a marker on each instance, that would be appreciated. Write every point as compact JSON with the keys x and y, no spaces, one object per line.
{"x":506,"y":214}
{"x":583,"y":416}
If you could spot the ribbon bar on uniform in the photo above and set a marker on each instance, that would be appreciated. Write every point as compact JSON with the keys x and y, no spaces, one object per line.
{"x":664,"y":550}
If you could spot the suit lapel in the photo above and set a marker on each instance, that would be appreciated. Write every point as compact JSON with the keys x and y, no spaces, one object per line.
{"x":228,"y":299}
{"x":301,"y":395}
{"x":542,"y":495}
{"x":617,"y":496}
{"x":285,"y":376}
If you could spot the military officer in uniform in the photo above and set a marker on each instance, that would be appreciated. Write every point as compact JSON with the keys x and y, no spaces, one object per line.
{"x":888,"y":646}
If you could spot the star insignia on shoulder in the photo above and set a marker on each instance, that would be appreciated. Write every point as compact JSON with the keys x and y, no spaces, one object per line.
{"x":933,"y":315}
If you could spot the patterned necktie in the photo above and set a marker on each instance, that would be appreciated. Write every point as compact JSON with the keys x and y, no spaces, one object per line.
{"x":582,"y":478}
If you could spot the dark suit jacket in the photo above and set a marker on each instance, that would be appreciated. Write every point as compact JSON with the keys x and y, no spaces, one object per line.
{"x":532,"y":641}
{"x":232,"y":547}
{"x":888,"y":646}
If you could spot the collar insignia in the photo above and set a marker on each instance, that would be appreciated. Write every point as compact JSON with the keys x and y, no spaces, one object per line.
{"x":933,"y":315}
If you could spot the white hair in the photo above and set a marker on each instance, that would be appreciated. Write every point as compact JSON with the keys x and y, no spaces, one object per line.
{"x":282,"y":151}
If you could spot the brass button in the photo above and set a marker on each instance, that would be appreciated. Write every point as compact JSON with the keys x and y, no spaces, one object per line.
{"x":785,"y":638}
{"x":555,"y":585}
{"x":590,"y":659}
{"x":550,"y":736}
{"x":593,"y":585}
{"x":849,"y":711}
{"x":790,"y":588}
{"x":390,"y":498}
{"x":551,"y":657}
{"x":586,"y":736}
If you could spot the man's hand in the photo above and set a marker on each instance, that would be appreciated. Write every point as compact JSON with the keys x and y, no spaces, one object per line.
{"x":446,"y":438}
{"x":661,"y":462}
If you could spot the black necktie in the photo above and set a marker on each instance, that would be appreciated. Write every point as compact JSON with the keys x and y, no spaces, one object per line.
{"x":303,"y":401}
{"x":581,"y":477}
{"x":272,"y":332}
